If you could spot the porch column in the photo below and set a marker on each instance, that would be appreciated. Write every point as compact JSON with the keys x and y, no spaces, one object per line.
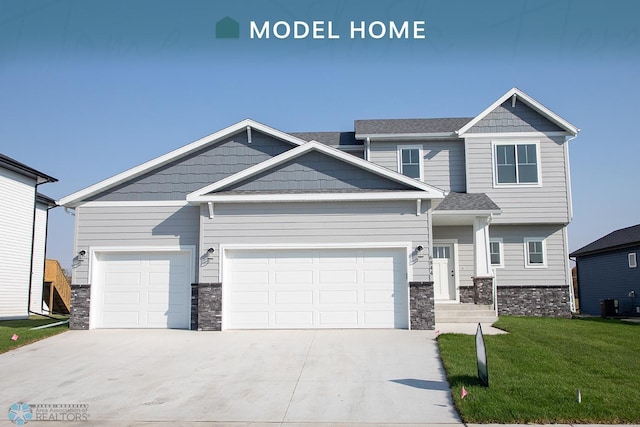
{"x":483,"y":278}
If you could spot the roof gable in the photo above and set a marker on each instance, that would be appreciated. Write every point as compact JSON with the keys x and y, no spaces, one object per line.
{"x":333,"y":170}
{"x":616,"y":239}
{"x":143,"y":174}
{"x":506,"y":108}
{"x":315,"y":171}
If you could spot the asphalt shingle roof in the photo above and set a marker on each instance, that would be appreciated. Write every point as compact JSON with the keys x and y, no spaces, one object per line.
{"x":467,"y":202}
{"x":332,"y":139}
{"x":615,"y":239}
{"x":392,"y":126}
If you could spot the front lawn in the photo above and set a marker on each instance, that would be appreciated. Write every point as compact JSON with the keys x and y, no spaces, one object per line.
{"x":21,"y":328}
{"x":534,"y":372}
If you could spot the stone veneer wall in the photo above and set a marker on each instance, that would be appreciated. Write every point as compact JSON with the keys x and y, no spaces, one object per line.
{"x":551,"y":301}
{"x":80,"y":304}
{"x":208,"y":300}
{"x":422,"y":310}
{"x":466,"y":294}
{"x":483,"y":290}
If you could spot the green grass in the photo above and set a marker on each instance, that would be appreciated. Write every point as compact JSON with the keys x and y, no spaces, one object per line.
{"x":534,"y":372}
{"x":25,"y":336}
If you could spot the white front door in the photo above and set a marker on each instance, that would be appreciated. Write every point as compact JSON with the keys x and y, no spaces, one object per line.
{"x":444,"y":282}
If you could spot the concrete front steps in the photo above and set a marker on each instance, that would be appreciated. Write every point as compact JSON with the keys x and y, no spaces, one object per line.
{"x":464,"y":313}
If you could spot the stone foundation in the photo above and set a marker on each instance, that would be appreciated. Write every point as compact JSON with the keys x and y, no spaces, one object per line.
{"x":483,"y":290}
{"x":208,"y":306}
{"x":194,"y":307}
{"x":466,"y":294}
{"x":80,"y":305}
{"x":422,"y":311}
{"x":549,"y":301}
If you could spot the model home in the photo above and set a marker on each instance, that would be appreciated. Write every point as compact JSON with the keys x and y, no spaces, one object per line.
{"x":397,"y":223}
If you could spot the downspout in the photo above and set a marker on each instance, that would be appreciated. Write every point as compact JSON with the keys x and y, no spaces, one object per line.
{"x":367,"y":149}
{"x":44,"y":261}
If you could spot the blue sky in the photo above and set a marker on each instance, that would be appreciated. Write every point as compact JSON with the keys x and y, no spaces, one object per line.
{"x":91,"y":88}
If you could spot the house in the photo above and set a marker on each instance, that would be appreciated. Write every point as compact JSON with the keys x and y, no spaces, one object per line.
{"x":607,"y":269}
{"x":23,"y":227}
{"x":384,"y":226}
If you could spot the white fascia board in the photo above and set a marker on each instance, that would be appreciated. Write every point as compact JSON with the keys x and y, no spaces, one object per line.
{"x":468,"y":213}
{"x":72,"y":199}
{"x":406,"y":136}
{"x":313,"y":197}
{"x":136,"y":203}
{"x":317,"y":146}
{"x":530,"y":102}
{"x":515,"y":135}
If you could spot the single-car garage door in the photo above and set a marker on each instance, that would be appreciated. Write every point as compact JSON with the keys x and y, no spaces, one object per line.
{"x":319,"y":288}
{"x":142,"y":290}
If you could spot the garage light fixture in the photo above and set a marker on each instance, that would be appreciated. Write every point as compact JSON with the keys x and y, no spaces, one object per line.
{"x":419,"y":248}
{"x":210,"y":252}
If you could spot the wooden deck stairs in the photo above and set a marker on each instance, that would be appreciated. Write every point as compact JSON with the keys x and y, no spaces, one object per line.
{"x":57,"y":290}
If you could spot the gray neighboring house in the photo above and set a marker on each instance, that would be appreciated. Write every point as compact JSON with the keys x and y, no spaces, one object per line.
{"x":608,"y":270}
{"x":398,"y":223}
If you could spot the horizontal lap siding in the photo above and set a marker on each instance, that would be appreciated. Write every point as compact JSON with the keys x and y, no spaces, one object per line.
{"x":608,"y":276}
{"x":16,"y":228}
{"x":514,"y":272}
{"x":313,"y":224}
{"x":133,"y":226}
{"x":548,"y":203}
{"x":443,"y":161}
{"x":464,"y":236}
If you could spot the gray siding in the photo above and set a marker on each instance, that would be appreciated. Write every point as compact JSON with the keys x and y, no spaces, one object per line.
{"x":444,"y":161}
{"x":608,"y":276}
{"x":464,"y":236}
{"x":514,"y":272}
{"x":316,"y":171}
{"x":313,"y":224}
{"x":548,"y":203}
{"x":522,"y":118}
{"x":132,"y":226}
{"x":175,"y":180}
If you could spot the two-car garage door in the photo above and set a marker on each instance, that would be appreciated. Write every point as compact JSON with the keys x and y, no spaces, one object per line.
{"x":316,"y":288}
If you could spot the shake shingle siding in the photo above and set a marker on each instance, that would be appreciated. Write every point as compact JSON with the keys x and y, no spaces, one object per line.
{"x":315,"y":171}
{"x":175,"y":180}
{"x":520,"y":118}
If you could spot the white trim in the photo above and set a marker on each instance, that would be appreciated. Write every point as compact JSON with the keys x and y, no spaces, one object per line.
{"x":93,"y":270}
{"x":567,"y":172}
{"x":420,"y":149}
{"x":224,"y":262}
{"x":418,"y":207}
{"x":406,"y":136}
{"x":568,"y":274}
{"x":515,"y":143}
{"x":514,"y":135}
{"x":473,"y":213}
{"x":210,"y":204}
{"x":202,"y":194}
{"x":137,"y":203}
{"x":531,"y":103}
{"x":632,"y":259}
{"x":500,"y":243}
{"x":312,"y":197}
{"x":526,"y":241}
{"x":76,"y":197}
{"x":454,"y":254}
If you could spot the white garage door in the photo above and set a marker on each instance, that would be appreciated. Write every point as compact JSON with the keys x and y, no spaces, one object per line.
{"x":322,"y":288}
{"x":143,"y":290}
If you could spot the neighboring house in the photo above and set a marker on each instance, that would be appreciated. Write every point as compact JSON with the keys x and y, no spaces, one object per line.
{"x":23,"y":231}
{"x":607,"y":269}
{"x":252,"y":227}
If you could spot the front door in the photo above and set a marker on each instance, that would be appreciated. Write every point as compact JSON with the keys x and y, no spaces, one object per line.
{"x":444,"y":282}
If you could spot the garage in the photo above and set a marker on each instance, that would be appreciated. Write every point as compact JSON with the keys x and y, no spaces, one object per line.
{"x":315,"y":288}
{"x":142,"y":290}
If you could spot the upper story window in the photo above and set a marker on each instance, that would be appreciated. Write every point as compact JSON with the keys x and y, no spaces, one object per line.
{"x":516,"y":163}
{"x":633,"y":261}
{"x":410,"y":161}
{"x":535,"y":252}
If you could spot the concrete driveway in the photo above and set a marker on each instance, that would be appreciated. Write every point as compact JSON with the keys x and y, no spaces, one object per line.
{"x":131,"y":377}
